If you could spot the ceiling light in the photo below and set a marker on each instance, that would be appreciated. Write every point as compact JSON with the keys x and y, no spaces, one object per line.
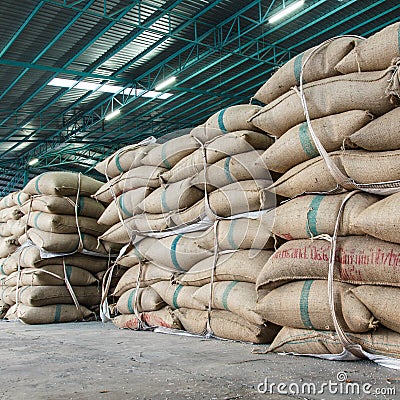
{"x":165,"y":83}
{"x":33,"y":161}
{"x":286,"y":11}
{"x":112,"y":114}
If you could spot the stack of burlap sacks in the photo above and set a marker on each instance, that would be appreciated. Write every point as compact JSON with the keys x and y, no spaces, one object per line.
{"x":195,"y":250}
{"x":351,"y":90}
{"x":55,"y":275}
{"x":11,"y":229}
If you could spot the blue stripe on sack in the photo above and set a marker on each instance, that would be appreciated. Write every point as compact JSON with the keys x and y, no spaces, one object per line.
{"x":164,"y":203}
{"x":221,"y":124}
{"x":173,"y":253}
{"x":164,"y":156}
{"x":57,"y":315}
{"x":398,"y":38}
{"x":312,"y":216}
{"x":231,"y":232}
{"x":36,"y":219}
{"x":297,"y":67}
{"x":81,"y":204}
{"x":19,"y":199}
{"x":306,"y":142}
{"x":226,"y":294}
{"x":130,"y":301}
{"x":37,"y":183}
{"x":68,"y":269}
{"x":2,"y":269}
{"x":175,"y":296}
{"x":117,"y":163}
{"x":227,"y":171}
{"x":304,"y":312}
{"x":122,"y":206}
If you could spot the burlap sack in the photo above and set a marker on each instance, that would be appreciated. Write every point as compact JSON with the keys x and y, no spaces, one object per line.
{"x":58,"y":223}
{"x":136,"y":253}
{"x":5,"y":229}
{"x":305,"y":304}
{"x":164,"y":317}
{"x":383,"y":302}
{"x":296,"y":145}
{"x":234,"y":296}
{"x":124,"y":159}
{"x":373,"y":54}
{"x":302,"y":341}
{"x":178,"y":296}
{"x":174,"y":196}
{"x":8,"y":246}
{"x":37,"y":296}
{"x":48,"y":314}
{"x":50,"y":275}
{"x":126,"y":203}
{"x":358,"y":91}
{"x":13,"y":212}
{"x":3,"y":308}
{"x":13,"y":199}
{"x":16,"y":227}
{"x":148,"y":300}
{"x":116,"y":275}
{"x":319,"y":66}
{"x":222,"y":146}
{"x":190,"y":215}
{"x":381,"y":219}
{"x":171,"y":152}
{"x":360,"y":260}
{"x":226,"y":325}
{"x":7,"y":295}
{"x":52,"y":204}
{"x":313,"y":215}
{"x":143,"y":176}
{"x":7,"y":267}
{"x":362,"y":166}
{"x":63,"y":184}
{"x":240,"y":266}
{"x":150,"y":274}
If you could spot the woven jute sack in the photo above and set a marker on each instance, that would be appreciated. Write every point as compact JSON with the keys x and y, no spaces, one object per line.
{"x":190,"y":215}
{"x":7,"y":267}
{"x":358,"y":91}
{"x":296,"y":145}
{"x":362,"y":166}
{"x":63,"y":184}
{"x":170,"y":197}
{"x":126,"y":204}
{"x":164,"y":317}
{"x":124,"y":159}
{"x":48,"y":314}
{"x":373,"y":54}
{"x":171,"y":152}
{"x":320,"y":65}
{"x":135,"y":253}
{"x":381,"y":219}
{"x":13,"y":212}
{"x":13,"y":199}
{"x":7,"y":295}
{"x":52,"y":204}
{"x":149,"y":274}
{"x":303,"y":341}
{"x":178,"y":296}
{"x":305,"y":304}
{"x":360,"y":260}
{"x":8,"y":246}
{"x":16,"y":227}
{"x":143,"y":176}
{"x":147,"y":300}
{"x":313,"y":215}
{"x":3,"y":308}
{"x":234,"y":296}
{"x":37,"y":296}
{"x":383,"y":302}
{"x":216,"y":149}
{"x":240,"y":265}
{"x":5,"y":229}
{"x":226,"y":325}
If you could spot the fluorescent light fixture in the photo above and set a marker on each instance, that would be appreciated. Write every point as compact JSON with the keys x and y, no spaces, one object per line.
{"x":112,"y":114}
{"x":33,"y":161}
{"x":71,"y":83}
{"x":165,"y":83}
{"x":286,"y":11}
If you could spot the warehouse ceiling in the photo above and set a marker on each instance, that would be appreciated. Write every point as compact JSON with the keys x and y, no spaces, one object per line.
{"x":67,"y":64}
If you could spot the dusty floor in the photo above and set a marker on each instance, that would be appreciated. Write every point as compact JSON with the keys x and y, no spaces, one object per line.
{"x":95,"y":361}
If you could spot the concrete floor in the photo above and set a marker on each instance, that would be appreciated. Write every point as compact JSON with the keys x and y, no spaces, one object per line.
{"x":95,"y":361}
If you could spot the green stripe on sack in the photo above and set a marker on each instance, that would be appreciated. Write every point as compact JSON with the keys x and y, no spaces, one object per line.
{"x":19,"y":199}
{"x":175,"y":296}
{"x":36,"y":220}
{"x":173,"y":253}
{"x":227,"y":171}
{"x":57,"y":315}
{"x":231,"y":232}
{"x":226,"y":294}
{"x":306,"y":142}
{"x":221,"y":124}
{"x":81,"y":204}
{"x":2,"y":269}
{"x":122,"y":206}
{"x":118,"y":165}
{"x":130,"y":301}
{"x":37,"y":183}
{"x":68,"y":269}
{"x":164,"y":203}
{"x":297,"y":67}
{"x":164,"y":156}
{"x":304,"y":313}
{"x":312,"y":214}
